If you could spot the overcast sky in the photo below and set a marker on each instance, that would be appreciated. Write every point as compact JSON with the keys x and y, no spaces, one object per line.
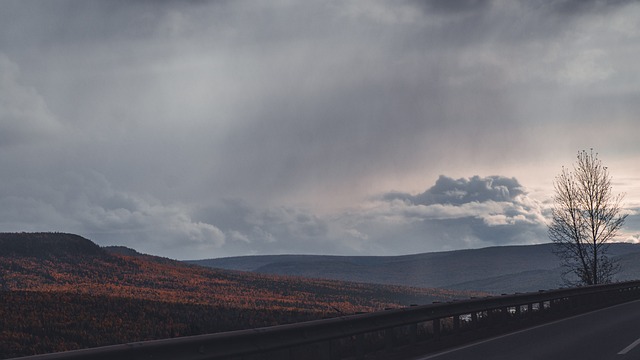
{"x":200,"y":129}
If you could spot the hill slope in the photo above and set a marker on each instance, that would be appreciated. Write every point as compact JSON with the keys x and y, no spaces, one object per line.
{"x":62,"y":292}
{"x":504,"y":269}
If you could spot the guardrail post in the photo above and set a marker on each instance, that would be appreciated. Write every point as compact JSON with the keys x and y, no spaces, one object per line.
{"x":326,"y":350}
{"x":388,"y":339}
{"x":360,"y":346}
{"x":456,"y":324}
{"x":436,"y":328}
{"x":494,"y":316}
{"x":573,"y":303}
{"x":413,"y":333}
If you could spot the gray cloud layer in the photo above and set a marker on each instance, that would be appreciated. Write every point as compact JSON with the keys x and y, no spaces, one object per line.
{"x":184,"y":127}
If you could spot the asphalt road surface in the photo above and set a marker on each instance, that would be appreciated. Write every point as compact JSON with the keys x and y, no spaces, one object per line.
{"x":611,"y":333}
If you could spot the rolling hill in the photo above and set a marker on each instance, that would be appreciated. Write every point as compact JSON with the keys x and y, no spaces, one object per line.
{"x":62,"y":292}
{"x":504,"y":269}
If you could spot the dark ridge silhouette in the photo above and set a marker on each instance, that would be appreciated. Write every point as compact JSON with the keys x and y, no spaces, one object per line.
{"x":47,"y":245}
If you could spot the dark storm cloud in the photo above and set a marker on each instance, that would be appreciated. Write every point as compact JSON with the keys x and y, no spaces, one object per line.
{"x":137,"y":121}
{"x":448,"y":191}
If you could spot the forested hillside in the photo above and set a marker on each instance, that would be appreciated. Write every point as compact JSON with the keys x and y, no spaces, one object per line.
{"x":63,"y":292}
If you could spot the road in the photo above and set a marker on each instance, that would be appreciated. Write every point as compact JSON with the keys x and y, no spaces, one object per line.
{"x":611,"y":333}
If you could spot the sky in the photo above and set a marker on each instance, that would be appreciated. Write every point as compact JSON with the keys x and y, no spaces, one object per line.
{"x":204,"y":129}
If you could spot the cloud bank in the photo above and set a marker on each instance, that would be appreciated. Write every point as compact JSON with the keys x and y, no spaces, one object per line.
{"x":452,"y":214}
{"x":461,"y":213}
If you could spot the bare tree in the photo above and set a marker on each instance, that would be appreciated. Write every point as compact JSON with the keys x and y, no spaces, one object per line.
{"x":585,"y":219}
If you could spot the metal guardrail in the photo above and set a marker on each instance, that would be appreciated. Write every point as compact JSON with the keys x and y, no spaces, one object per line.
{"x":356,"y":336}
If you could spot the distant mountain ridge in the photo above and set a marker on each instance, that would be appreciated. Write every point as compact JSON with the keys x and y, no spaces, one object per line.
{"x":501,"y":269}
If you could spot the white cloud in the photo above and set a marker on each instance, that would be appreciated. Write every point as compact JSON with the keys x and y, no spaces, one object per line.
{"x":356,"y":234}
{"x":238,"y":236}
{"x":632,"y":238}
